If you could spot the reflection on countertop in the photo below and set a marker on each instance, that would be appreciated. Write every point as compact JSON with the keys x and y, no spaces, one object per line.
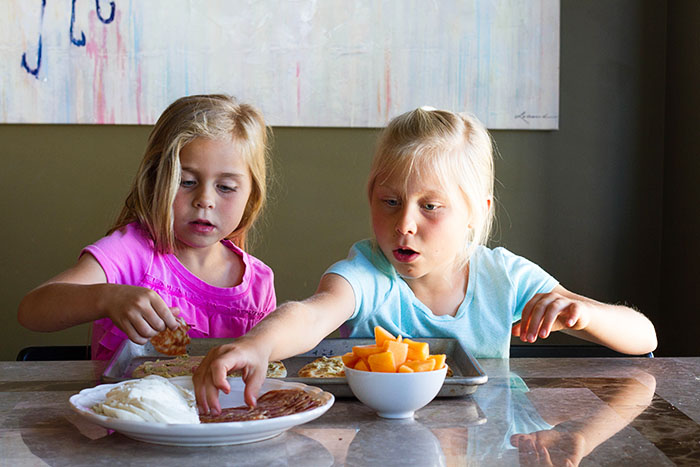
{"x":633,"y":411}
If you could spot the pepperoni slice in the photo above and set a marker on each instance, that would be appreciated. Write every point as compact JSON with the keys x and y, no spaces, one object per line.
{"x":275,"y":403}
{"x":172,"y":342}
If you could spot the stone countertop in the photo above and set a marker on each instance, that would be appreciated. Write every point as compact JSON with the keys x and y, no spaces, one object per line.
{"x":633,"y":411}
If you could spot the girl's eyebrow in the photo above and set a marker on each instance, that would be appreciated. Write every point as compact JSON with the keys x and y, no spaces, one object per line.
{"x":219,"y":175}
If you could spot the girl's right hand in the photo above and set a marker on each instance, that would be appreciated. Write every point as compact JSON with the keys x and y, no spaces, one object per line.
{"x":138,"y":311}
{"x":211,"y":375}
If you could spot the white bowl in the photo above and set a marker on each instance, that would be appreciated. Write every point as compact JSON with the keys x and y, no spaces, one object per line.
{"x":395,"y":395}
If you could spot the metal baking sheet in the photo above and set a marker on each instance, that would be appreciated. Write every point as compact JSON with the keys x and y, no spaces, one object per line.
{"x":466,"y":378}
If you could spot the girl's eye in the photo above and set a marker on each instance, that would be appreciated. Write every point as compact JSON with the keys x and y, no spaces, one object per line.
{"x":391,"y":202}
{"x":430,"y":207}
{"x":227,"y":189}
{"x":187,"y":183}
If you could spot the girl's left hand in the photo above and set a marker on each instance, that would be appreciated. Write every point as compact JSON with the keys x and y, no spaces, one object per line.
{"x":553,"y":311}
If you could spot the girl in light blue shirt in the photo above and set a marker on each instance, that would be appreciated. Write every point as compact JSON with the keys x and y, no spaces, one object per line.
{"x":426,"y":272}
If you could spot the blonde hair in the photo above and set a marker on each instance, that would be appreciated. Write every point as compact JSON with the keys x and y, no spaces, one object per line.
{"x":213,"y":116}
{"x":455,"y":147}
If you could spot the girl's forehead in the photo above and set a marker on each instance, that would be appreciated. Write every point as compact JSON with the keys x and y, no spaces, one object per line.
{"x":414,"y":182}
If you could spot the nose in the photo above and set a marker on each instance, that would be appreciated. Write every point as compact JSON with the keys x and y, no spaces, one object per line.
{"x":405,"y":222}
{"x":203,"y":199}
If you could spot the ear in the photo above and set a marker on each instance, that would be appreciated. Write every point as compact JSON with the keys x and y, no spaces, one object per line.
{"x":488,"y":208}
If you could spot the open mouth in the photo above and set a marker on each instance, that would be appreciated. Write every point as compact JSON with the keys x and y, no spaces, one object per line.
{"x":405,"y":255}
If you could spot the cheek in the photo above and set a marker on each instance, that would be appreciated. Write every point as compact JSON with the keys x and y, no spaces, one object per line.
{"x":379,"y":224}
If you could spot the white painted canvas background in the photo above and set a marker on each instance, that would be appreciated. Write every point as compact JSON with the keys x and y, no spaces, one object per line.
{"x":349,"y":63}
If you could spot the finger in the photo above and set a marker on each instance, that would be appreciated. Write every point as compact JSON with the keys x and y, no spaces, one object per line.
{"x":536,"y":316}
{"x":200,"y":393}
{"x":573,"y":315}
{"x":163,"y":312}
{"x":143,"y":327}
{"x":212,"y":398}
{"x":550,"y":318}
{"x":536,"y":301}
{"x":543,"y":455}
{"x":525,"y":317}
{"x":132,"y":334}
{"x":253,"y":382}
{"x":516,"y":329}
{"x":545,"y":324}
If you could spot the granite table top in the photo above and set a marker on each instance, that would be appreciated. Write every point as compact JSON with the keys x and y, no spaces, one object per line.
{"x":532,"y":411}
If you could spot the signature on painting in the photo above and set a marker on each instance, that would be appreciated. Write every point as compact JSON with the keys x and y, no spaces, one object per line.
{"x":526,"y":117}
{"x":78,"y":42}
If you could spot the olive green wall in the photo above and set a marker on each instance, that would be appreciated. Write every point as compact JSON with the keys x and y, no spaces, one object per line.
{"x":585,"y":202}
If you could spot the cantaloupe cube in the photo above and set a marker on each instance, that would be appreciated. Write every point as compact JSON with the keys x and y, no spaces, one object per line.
{"x":381,"y":335}
{"x":439,"y":360}
{"x":350,"y":359}
{"x":382,"y":362}
{"x":405,"y":369}
{"x":421,"y":365}
{"x":366,"y":350}
{"x":417,"y":350}
{"x":400,"y":351}
{"x":361,"y":365}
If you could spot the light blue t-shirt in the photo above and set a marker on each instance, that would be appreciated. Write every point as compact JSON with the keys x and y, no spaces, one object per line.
{"x":500,"y":284}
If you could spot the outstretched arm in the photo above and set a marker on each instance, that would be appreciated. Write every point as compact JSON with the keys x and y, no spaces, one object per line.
{"x":571,"y":440}
{"x":615,"y":326}
{"x":293,"y":328}
{"x":81,"y":295}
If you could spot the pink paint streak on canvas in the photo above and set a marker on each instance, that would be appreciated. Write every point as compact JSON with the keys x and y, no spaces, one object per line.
{"x":98,"y":53}
{"x":139,"y":82}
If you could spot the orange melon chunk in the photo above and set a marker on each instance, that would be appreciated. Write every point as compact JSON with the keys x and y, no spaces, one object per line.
{"x":421,"y":365}
{"x":350,"y":359}
{"x":400,"y":351}
{"x":366,"y":350}
{"x":382,"y":362}
{"x":417,"y":350}
{"x":439,"y":360}
{"x":405,"y":369}
{"x":381,"y":335}
{"x":361,"y":366}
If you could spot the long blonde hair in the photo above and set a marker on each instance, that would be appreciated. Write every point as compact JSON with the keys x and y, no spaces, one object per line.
{"x":456,"y":147}
{"x":213,"y":116}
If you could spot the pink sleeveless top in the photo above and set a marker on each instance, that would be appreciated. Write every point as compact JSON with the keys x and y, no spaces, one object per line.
{"x":128,"y":257}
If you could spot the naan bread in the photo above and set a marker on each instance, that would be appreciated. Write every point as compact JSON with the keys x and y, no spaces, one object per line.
{"x":323,"y":367}
{"x":185,"y":365}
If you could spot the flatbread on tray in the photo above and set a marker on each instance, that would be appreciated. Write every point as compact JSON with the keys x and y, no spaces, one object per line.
{"x":323,"y":367}
{"x":185,"y":365}
{"x":172,"y":342}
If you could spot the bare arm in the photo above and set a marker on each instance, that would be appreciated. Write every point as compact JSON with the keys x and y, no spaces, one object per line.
{"x":81,"y":295}
{"x":571,"y":440}
{"x":293,"y":328}
{"x":615,"y":326}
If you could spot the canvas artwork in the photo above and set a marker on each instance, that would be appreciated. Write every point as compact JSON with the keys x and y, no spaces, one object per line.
{"x":321,"y":63}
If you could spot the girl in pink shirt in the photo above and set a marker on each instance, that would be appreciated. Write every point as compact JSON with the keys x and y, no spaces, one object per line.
{"x":177,"y":248}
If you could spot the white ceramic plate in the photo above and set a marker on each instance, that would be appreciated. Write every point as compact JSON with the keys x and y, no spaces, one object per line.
{"x":204,"y":434}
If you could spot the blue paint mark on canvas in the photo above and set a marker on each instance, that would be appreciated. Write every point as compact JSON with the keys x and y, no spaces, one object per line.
{"x":78,"y":42}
